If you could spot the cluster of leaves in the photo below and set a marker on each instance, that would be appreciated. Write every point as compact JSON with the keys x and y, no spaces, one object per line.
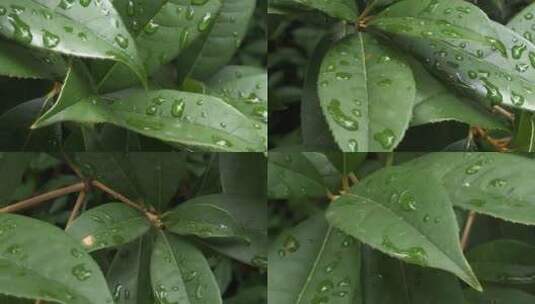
{"x":182,"y":228}
{"x":394,"y":236}
{"x":121,"y":75}
{"x":394,"y":74}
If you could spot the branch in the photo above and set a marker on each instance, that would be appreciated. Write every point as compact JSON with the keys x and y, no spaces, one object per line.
{"x":117,"y":195}
{"x":79,"y":202}
{"x":36,"y":200}
{"x":467,"y":229}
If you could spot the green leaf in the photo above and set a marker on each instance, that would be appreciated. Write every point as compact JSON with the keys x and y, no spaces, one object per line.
{"x":491,"y":183}
{"x":179,"y":118}
{"x":343,"y":9}
{"x":109,"y":225}
{"x":346,"y":162}
{"x":20,"y":62}
{"x":28,"y":270}
{"x":413,"y":211}
{"x":480,"y":58}
{"x":250,"y":213}
{"x":86,"y":29}
{"x":313,"y":263}
{"x":503,"y":261}
{"x":162,"y":29}
{"x":245,"y":88}
{"x":358,"y":80}
{"x":147,"y":177}
{"x":181,"y":274}
{"x":13,"y":165}
{"x":129,"y":272}
{"x":293,"y":175}
{"x":77,"y":86}
{"x":523,"y":22}
{"x":233,"y":167}
{"x":436,"y":103}
{"x":216,"y":48}
{"x":201,"y":218}
{"x":499,"y":295}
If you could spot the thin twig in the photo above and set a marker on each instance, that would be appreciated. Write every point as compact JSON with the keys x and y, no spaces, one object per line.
{"x":467,"y":228}
{"x":71,"y":165}
{"x":117,"y":195}
{"x":504,"y":112}
{"x":79,"y":202}
{"x":36,"y":200}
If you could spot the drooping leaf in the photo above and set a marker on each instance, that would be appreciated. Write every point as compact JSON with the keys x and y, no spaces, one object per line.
{"x":458,"y":42}
{"x":436,"y":103}
{"x":293,"y":175}
{"x":109,"y":225}
{"x":180,"y":118}
{"x":181,"y":274}
{"x":503,"y":261}
{"x":129,"y":275}
{"x":161,"y":29}
{"x":28,"y":271}
{"x":367,"y":93}
{"x":149,"y":178}
{"x":203,"y":219}
{"x":314,"y":263}
{"x":343,"y":9}
{"x":90,"y":29}
{"x":251,"y":215}
{"x":234,"y":166}
{"x":209,"y":53}
{"x":491,"y":183}
{"x":20,"y":62}
{"x":415,"y":219}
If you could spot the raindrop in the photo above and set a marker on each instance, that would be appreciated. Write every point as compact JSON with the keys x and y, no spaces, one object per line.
{"x":50,"y":40}
{"x":81,"y":272}
{"x":386,"y":138}
{"x":122,"y":41}
{"x":205,"y":22}
{"x":343,"y":120}
{"x":178,"y":107}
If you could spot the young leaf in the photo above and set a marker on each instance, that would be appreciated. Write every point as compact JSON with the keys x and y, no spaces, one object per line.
{"x":358,"y":82}
{"x":413,"y":211}
{"x":458,"y":42}
{"x":161,"y":29}
{"x":109,"y":225}
{"x":180,"y":118}
{"x":77,"y":86}
{"x":503,"y":262}
{"x":203,"y":219}
{"x":40,"y":261}
{"x":20,"y":62}
{"x":293,"y":175}
{"x":210,"y":53}
{"x":84,"y":29}
{"x":314,"y":263}
{"x":181,"y":274}
{"x":129,"y":272}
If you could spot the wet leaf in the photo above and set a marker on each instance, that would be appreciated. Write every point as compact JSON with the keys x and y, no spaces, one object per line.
{"x":358,"y":80}
{"x":314,"y":263}
{"x":94,"y":30}
{"x":343,"y":9}
{"x":29,"y":272}
{"x":416,"y":222}
{"x":20,"y":62}
{"x":180,"y":273}
{"x":109,"y":225}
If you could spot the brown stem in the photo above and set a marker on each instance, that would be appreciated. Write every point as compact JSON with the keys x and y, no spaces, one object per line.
{"x":79,"y":202}
{"x":36,"y":200}
{"x":504,"y":112}
{"x":117,"y":195}
{"x":345,"y":183}
{"x":467,"y":228}
{"x":354,"y":179}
